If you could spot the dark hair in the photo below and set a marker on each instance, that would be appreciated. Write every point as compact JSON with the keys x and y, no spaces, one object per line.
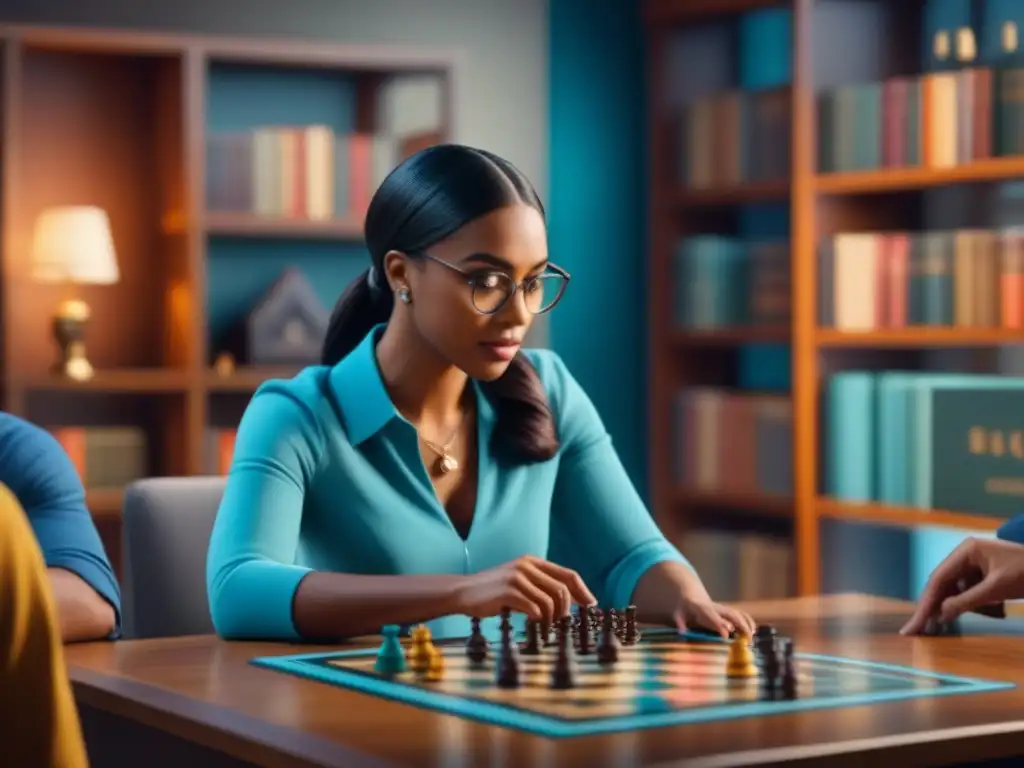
{"x":429,"y":196}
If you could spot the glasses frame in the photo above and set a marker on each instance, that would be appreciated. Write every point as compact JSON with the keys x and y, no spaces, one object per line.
{"x":516,"y":287}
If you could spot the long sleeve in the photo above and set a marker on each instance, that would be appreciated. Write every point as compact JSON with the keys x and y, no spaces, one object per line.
{"x":251,"y":573}
{"x":599,"y":524}
{"x":42,"y":477}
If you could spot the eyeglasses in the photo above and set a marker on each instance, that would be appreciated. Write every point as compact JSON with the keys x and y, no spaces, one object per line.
{"x":492,"y":289}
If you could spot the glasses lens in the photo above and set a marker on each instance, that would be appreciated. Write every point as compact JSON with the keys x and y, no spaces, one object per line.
{"x":490,"y":291}
{"x":544,"y":292}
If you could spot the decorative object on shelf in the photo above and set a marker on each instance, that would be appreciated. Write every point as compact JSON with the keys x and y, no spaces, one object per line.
{"x":287,"y":327}
{"x":73,"y":245}
{"x":224,"y":365}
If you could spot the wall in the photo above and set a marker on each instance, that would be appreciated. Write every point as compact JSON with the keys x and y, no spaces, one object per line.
{"x":598,"y":220}
{"x":502,"y":90}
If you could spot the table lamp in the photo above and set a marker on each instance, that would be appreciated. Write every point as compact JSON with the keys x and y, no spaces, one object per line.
{"x":73,"y":245}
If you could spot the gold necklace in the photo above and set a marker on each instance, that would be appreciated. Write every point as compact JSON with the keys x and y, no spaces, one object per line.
{"x":446,"y":462}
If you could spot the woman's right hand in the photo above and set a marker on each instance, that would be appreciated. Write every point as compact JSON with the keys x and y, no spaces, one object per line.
{"x":993,"y":568}
{"x":540,"y":589}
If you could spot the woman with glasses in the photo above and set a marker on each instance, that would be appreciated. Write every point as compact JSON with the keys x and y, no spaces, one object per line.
{"x":431,"y":469}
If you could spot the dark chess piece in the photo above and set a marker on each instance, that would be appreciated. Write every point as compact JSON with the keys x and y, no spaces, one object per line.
{"x":608,"y":647}
{"x":476,"y":646}
{"x":616,"y":622}
{"x":507,"y":668}
{"x":585,"y":638}
{"x":534,"y":645}
{"x":545,"y":633}
{"x":563,"y":673}
{"x":764,"y":641}
{"x":788,"y":682}
{"x":630,"y":634}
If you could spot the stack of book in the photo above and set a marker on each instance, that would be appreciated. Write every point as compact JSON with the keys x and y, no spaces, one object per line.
{"x":939,"y":119}
{"x":733,"y":443}
{"x":735,"y":137}
{"x":304,"y":172}
{"x":722,"y":282}
{"x":964,"y":278}
{"x":927,"y":440}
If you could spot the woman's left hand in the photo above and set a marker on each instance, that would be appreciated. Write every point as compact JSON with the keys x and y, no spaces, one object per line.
{"x":703,"y":614}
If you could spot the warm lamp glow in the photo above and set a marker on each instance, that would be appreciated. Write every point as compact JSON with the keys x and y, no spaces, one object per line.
{"x":74,"y":244}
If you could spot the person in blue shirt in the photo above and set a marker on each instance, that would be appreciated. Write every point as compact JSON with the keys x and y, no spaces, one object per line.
{"x":42,"y":478}
{"x":431,"y":469}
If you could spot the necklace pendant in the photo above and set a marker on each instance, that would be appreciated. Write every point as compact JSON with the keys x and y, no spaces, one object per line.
{"x":447,"y":464}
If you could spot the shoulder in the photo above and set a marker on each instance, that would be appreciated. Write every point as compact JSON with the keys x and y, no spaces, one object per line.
{"x":574,"y":412}
{"x":34,"y":465}
{"x":286,"y":412}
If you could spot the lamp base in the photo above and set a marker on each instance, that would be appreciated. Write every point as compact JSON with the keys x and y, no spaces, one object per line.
{"x":69,"y":332}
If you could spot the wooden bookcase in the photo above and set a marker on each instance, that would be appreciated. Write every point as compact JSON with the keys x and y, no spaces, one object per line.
{"x":820,"y":205}
{"x":120,"y":119}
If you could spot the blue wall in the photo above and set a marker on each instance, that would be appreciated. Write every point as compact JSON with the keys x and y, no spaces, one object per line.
{"x":597,"y":210}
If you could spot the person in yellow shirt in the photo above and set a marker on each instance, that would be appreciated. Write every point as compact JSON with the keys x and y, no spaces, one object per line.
{"x":39,"y":725}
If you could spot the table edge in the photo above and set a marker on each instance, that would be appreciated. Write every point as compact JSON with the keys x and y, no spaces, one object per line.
{"x":213,"y":726}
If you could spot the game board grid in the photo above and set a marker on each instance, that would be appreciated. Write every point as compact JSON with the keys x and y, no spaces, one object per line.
{"x":825,"y":682}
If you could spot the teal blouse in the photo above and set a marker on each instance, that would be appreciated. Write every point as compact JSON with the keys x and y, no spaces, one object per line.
{"x":327,"y":475}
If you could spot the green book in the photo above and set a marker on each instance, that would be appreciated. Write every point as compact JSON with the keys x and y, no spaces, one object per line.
{"x":977,"y":450}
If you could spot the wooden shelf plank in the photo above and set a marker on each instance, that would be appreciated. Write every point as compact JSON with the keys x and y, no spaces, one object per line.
{"x":748,"y":503}
{"x":905,"y":179}
{"x":679,"y":11}
{"x":726,"y":337}
{"x":904,"y":516}
{"x":250,"y":225}
{"x":105,"y":502}
{"x":247,"y":379}
{"x":754,"y":192}
{"x":919,"y":337}
{"x":113,"y":381}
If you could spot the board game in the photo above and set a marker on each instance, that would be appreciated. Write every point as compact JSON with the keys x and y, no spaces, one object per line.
{"x":665,"y":678}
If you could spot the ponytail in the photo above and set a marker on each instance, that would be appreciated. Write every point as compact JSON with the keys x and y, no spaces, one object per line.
{"x":362,"y":305}
{"x":525,"y":431}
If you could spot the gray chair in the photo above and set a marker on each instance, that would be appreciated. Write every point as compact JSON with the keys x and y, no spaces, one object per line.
{"x":165,"y":536}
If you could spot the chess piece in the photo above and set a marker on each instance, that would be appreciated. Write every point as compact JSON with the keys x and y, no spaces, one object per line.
{"x":435,"y":666}
{"x":533,"y":645}
{"x":507,"y":669}
{"x":740,"y":663}
{"x":585,"y":640}
{"x":630,"y":634}
{"x":476,"y":646}
{"x":391,"y":656}
{"x":419,"y":652}
{"x":789,"y":684}
{"x":608,"y":648}
{"x":563,"y":674}
{"x":764,"y":642}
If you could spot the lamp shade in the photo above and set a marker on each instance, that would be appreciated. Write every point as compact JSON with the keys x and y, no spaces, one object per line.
{"x":74,"y":244}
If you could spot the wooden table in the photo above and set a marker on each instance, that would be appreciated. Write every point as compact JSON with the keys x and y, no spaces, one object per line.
{"x":201,"y":691}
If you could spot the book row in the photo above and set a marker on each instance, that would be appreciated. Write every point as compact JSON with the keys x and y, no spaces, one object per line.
{"x":737,"y":566}
{"x":925,"y":439}
{"x":735,"y":137}
{"x":723,"y":282}
{"x":733,"y":443}
{"x":307,"y":172}
{"x":955,"y":278}
{"x":938,"y":119}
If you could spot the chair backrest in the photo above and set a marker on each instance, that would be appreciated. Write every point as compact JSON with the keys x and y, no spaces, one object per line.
{"x":166,"y":534}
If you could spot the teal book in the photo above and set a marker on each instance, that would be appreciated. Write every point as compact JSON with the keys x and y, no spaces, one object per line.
{"x":867,"y":139}
{"x":893,"y":447}
{"x":922,"y":420}
{"x":977,"y":450}
{"x":850,"y":436}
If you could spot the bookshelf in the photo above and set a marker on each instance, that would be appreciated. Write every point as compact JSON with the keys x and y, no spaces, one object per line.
{"x":124,"y":120}
{"x":820,"y":204}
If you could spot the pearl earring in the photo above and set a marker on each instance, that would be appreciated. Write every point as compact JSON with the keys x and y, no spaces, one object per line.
{"x":403,"y":294}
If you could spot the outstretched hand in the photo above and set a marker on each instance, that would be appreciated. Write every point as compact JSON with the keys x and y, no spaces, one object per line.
{"x":994,"y":570}
{"x":713,"y":617}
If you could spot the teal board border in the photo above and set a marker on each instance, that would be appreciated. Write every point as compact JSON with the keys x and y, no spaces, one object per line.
{"x":552,"y":727}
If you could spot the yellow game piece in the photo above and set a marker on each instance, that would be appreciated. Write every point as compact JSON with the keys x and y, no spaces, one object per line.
{"x":435,"y":666}
{"x":420,"y":650}
{"x":741,"y":658}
